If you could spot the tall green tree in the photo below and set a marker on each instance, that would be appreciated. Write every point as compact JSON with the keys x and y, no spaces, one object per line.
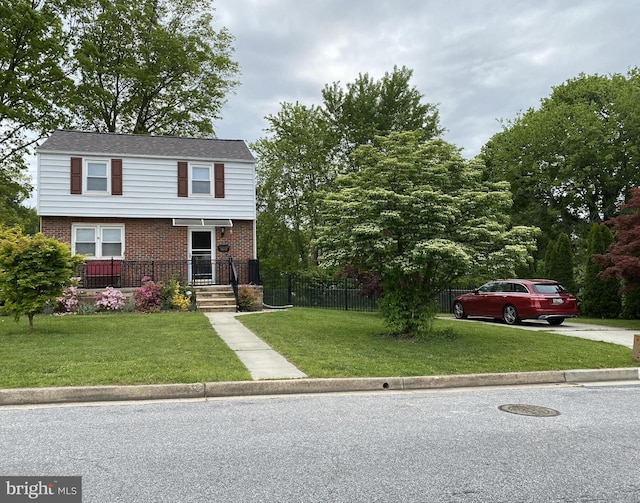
{"x":572,"y":160}
{"x":155,"y":66}
{"x":13,"y":212}
{"x":418,"y":216}
{"x":34,"y":89}
{"x":366,"y":108}
{"x":294,"y":166}
{"x":307,"y":147}
{"x":600,"y":299}
{"x":560,"y":262}
{"x":33,"y":270}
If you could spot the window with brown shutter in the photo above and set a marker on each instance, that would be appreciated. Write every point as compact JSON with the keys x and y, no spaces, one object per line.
{"x":76,"y":175}
{"x":116,"y":177}
{"x":183,"y":179}
{"x":219,"y":179}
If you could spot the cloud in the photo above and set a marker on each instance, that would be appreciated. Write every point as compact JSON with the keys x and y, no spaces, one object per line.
{"x":480,"y":61}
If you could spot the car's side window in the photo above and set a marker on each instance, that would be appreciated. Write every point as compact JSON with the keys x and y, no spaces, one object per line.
{"x":488,"y":287}
{"x":519,"y":288}
{"x":499,"y":287}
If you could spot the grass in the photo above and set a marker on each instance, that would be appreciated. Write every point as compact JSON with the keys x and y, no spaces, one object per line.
{"x":183,"y":348}
{"x":324,"y":343}
{"x":114,"y":349}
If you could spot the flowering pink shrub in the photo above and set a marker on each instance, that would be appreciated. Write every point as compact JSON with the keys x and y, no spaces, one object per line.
{"x":110,"y":300}
{"x":148,"y":298}
{"x":68,"y":303}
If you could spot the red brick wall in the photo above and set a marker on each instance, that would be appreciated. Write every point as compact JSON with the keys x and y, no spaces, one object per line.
{"x":157,"y":239}
{"x":239,"y":238}
{"x":148,"y":239}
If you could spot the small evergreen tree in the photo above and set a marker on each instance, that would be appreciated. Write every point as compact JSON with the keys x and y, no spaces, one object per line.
{"x":631,"y":305}
{"x":33,"y":270}
{"x":600,"y":299}
{"x":559,"y":262}
{"x":549,"y":258}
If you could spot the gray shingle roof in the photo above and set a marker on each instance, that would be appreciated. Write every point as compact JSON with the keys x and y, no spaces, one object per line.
{"x":83,"y":142}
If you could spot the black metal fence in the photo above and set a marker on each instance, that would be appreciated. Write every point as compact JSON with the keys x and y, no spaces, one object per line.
{"x":315,"y":291}
{"x":129,"y":273}
{"x":304,"y":290}
{"x":445,"y":298}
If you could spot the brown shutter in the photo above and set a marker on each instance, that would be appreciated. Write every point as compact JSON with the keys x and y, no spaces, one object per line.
{"x":116,"y":177}
{"x":219,"y":179}
{"x":183,"y":179}
{"x":76,"y":175}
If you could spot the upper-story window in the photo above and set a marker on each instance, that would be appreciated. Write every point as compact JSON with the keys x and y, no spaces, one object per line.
{"x":97,"y":179}
{"x":96,"y":176}
{"x":201,"y":180}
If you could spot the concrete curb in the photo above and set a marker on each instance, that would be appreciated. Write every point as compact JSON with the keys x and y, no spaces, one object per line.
{"x":627,"y":374}
{"x":28,"y":396}
{"x":33,"y":396}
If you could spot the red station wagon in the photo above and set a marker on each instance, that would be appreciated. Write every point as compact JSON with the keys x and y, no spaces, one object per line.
{"x":514,"y":300}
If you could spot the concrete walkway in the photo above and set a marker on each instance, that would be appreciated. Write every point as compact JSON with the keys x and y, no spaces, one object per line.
{"x":259,"y":358}
{"x":571,"y":328}
{"x":614,"y":335}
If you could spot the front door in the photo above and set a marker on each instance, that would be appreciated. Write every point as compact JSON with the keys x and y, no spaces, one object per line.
{"x":202,"y":257}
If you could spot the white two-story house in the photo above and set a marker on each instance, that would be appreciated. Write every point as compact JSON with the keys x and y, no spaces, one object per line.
{"x":156,"y":206}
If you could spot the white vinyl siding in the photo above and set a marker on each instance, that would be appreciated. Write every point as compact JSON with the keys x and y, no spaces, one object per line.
{"x":150,"y":191}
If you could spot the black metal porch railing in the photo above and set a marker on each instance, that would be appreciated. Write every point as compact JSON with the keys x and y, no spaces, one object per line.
{"x":198,"y":272}
{"x":234,"y":281}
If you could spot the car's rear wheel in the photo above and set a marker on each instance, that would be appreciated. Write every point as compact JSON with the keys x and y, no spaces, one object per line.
{"x":458,"y":311}
{"x":555,"y":321}
{"x":510,"y":315}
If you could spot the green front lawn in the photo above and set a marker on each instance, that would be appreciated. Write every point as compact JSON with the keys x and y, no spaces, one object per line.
{"x":183,"y":348}
{"x":325,"y":343}
{"x":114,"y":349}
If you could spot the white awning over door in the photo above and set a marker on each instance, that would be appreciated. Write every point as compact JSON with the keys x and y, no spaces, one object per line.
{"x":202,"y":222}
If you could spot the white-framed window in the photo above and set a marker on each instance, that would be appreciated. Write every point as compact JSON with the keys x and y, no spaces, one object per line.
{"x":201,"y":180}
{"x":96,"y":176}
{"x":98,"y":241}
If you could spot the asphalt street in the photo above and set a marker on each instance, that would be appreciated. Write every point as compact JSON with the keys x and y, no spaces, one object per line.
{"x":419,"y":446}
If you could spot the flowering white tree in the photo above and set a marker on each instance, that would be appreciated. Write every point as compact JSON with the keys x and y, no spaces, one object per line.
{"x":418,"y":216}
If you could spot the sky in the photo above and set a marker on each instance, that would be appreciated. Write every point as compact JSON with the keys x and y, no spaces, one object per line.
{"x":480,"y":61}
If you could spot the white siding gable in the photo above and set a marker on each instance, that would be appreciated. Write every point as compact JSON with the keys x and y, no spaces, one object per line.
{"x":149,"y":190}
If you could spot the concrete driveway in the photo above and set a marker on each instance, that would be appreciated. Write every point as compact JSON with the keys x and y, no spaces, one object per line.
{"x":613,"y":335}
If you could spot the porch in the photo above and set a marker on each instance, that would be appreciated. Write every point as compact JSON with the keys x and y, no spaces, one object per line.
{"x":196,"y":272}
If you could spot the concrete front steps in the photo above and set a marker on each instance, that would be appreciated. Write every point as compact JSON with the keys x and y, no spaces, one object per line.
{"x":215,"y":299}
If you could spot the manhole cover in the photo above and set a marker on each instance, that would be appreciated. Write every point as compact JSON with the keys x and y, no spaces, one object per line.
{"x":529,"y":410}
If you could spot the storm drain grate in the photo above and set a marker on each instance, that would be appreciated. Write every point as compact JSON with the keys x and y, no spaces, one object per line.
{"x":529,"y":410}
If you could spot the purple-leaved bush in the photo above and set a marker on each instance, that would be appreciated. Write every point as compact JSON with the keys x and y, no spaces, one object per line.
{"x":148,"y":298}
